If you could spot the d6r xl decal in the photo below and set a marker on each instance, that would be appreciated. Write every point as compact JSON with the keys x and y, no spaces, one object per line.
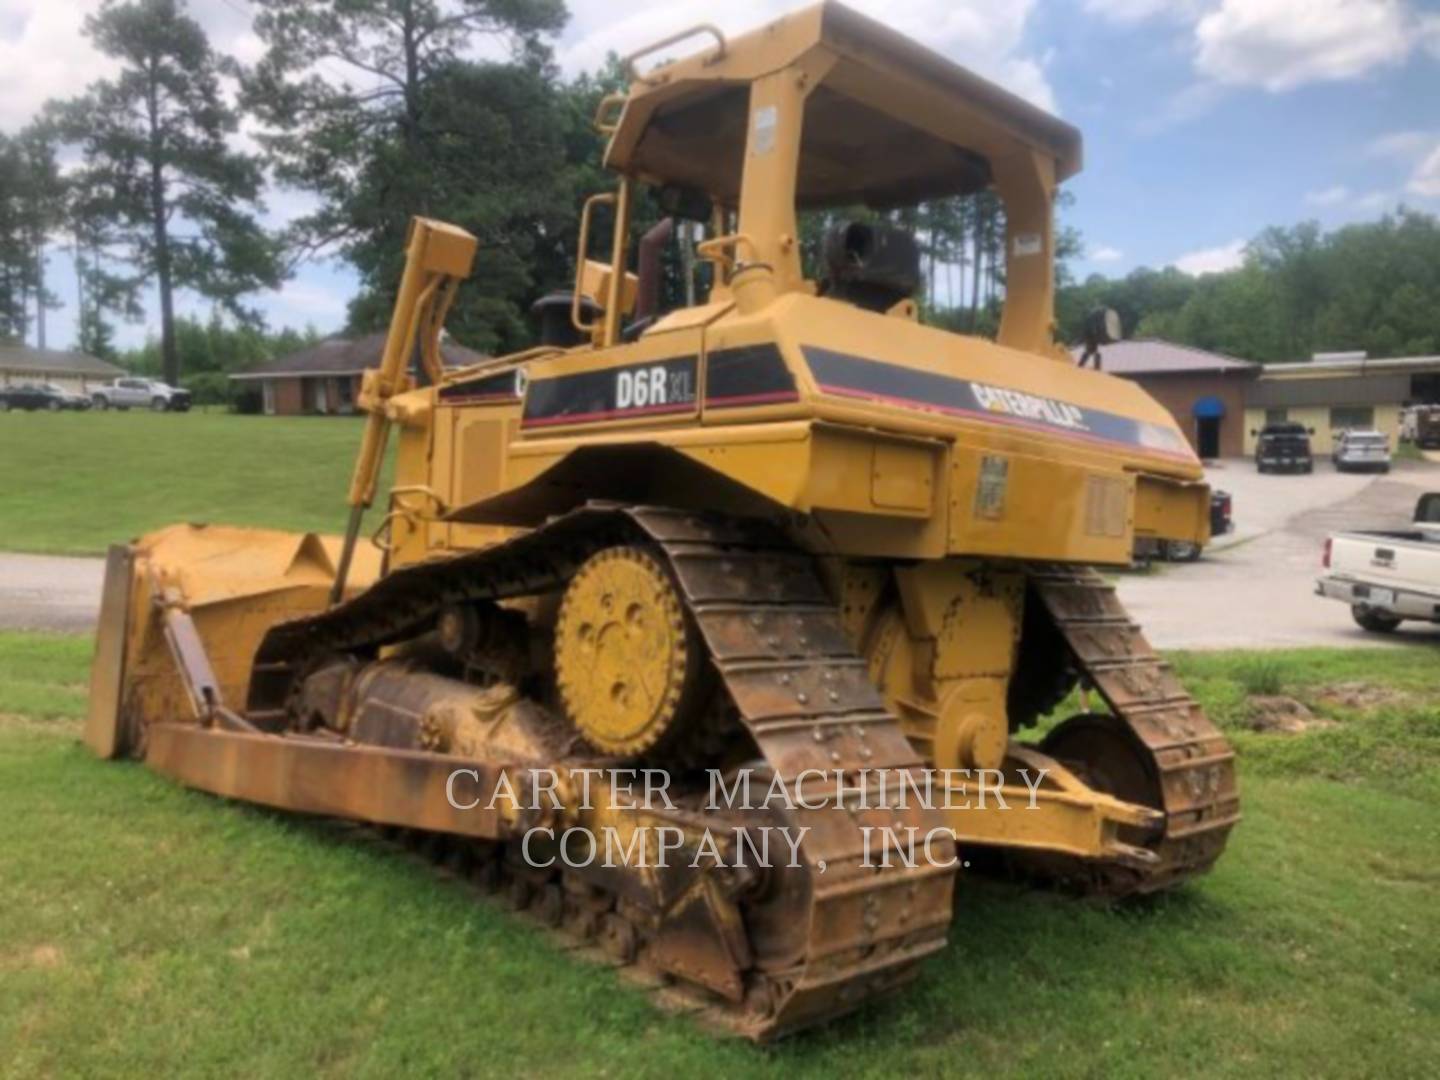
{"x":655,"y":388}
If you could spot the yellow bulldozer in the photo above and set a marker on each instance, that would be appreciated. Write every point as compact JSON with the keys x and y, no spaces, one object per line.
{"x":788,"y":534}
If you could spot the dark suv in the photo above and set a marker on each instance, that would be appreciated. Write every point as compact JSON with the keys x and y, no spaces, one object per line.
{"x":32,"y":396}
{"x":1284,"y":448}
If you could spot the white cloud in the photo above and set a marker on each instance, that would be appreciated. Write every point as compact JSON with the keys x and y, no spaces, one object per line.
{"x":1282,"y":44}
{"x":986,"y":37}
{"x":1373,"y":201}
{"x":1425,"y":181}
{"x":1134,"y":11}
{"x":1401,"y":145}
{"x":1104,"y":254}
{"x":1193,"y":101}
{"x":1430,"y":33}
{"x":316,"y":303}
{"x":43,"y":56}
{"x":1417,"y":150}
{"x":1212,"y":260}
{"x":44,"y":53}
{"x":1331,"y":196}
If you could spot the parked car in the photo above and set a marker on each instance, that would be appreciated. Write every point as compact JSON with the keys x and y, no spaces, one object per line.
{"x":1284,"y":447}
{"x":1221,"y":522}
{"x":132,"y":392}
{"x":1222,"y":513}
{"x":1387,"y":577}
{"x":32,"y":396}
{"x":1362,"y":450}
{"x":1427,"y":427}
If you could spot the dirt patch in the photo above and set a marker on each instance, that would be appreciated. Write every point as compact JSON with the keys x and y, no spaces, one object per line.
{"x":40,"y":958}
{"x":1359,"y":695}
{"x":47,"y":956}
{"x":1281,"y":715}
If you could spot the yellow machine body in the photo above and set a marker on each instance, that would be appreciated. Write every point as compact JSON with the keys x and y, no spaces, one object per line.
{"x":790,"y":523}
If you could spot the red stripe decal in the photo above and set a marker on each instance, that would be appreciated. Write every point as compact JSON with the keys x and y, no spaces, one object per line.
{"x":608,"y":414}
{"x":730,"y":401}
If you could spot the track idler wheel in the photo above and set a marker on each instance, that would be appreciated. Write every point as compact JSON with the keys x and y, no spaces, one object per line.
{"x":1102,"y":751}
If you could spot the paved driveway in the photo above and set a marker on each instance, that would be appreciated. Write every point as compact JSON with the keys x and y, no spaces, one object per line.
{"x":45,"y":592}
{"x":1255,"y":588}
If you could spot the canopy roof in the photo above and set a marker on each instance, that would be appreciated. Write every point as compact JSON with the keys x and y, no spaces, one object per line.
{"x":890,"y":123}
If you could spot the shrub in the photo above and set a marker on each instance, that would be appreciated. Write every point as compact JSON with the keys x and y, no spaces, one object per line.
{"x":1262,"y":675}
{"x":208,"y":388}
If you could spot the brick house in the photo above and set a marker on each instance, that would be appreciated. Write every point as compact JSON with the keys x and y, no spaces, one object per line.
{"x":1206,"y":392}
{"x":325,"y":378}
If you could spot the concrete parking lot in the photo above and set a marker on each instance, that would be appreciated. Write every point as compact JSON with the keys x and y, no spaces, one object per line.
{"x":1255,"y":587}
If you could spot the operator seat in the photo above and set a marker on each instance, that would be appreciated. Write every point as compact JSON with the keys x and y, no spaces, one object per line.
{"x":873,"y":266}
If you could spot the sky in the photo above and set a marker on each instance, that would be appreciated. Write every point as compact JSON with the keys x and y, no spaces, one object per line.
{"x":1204,"y":120}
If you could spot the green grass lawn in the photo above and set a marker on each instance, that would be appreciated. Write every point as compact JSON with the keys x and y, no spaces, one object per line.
{"x":74,"y":483}
{"x":147,"y":929}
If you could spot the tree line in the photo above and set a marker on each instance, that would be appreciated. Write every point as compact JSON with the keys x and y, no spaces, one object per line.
{"x":1299,"y":290}
{"x":154,"y":181}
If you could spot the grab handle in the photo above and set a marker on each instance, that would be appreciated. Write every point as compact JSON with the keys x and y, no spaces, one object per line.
{"x":674,"y":39}
{"x":582,"y":255}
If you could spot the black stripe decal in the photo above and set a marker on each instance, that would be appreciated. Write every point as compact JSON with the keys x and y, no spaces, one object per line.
{"x":839,"y":374}
{"x":749,"y":375}
{"x":652,"y":388}
{"x":504,"y":386}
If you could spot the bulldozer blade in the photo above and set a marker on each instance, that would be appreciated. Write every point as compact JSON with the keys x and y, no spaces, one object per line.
{"x":103,"y":729}
{"x":372,"y":784}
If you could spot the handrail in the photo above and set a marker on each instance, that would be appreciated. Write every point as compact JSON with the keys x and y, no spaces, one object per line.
{"x":716,"y":250}
{"x":399,"y":509}
{"x":607,"y":103}
{"x":582,"y":254}
{"x":674,"y":39}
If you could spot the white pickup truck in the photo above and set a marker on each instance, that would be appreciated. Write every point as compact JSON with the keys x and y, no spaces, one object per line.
{"x":1388,"y":577}
{"x":138,"y":393}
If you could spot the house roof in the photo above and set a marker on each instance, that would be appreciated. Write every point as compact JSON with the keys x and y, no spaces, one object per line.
{"x":349,"y":356}
{"x":1151,"y":356}
{"x":1351,"y":366}
{"x":23,"y":360}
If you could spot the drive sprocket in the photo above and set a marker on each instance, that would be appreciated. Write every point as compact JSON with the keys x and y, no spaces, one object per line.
{"x":627,"y":661}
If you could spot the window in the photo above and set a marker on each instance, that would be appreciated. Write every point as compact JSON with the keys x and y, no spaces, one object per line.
{"x":1351,"y":416}
{"x":1276,"y":416}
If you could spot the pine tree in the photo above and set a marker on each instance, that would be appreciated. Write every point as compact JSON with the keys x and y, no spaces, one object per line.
{"x":177,"y":196}
{"x":371,"y":106}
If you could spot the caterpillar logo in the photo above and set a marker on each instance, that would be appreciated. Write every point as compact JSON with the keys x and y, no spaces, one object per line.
{"x":1029,"y":407}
